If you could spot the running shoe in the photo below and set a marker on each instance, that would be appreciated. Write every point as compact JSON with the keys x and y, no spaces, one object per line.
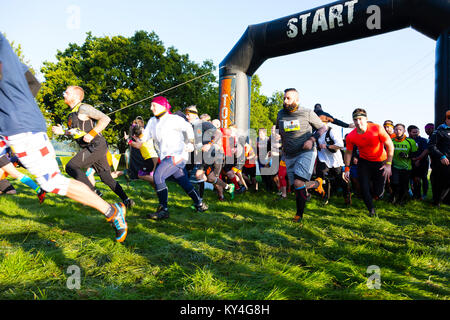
{"x":41,"y":196}
{"x":230,"y":190}
{"x":129,"y":203}
{"x":320,"y":189}
{"x":297,"y":219}
{"x":161,"y":213}
{"x":242,"y":189}
{"x":202,"y":207}
{"x":118,"y":222}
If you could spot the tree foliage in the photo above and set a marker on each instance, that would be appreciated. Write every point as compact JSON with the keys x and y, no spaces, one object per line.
{"x":118,"y":71}
{"x":264,"y":110}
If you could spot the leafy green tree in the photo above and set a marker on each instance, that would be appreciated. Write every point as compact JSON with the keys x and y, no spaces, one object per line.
{"x":274,"y":104}
{"x":118,"y":71}
{"x":261,"y":107}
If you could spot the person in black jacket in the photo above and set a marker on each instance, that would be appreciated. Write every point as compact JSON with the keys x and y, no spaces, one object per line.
{"x":326,"y":117}
{"x":439,"y":147}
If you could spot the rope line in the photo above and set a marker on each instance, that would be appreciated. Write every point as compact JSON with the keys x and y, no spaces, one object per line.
{"x":159,"y":93}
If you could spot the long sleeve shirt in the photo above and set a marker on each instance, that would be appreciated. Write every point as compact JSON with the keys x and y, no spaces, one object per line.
{"x":439,"y":144}
{"x":171,"y":133}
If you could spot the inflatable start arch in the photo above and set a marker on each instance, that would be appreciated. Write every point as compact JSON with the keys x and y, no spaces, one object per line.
{"x":334,"y":23}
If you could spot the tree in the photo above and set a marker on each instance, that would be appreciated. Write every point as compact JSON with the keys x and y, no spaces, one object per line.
{"x":261,"y":107}
{"x":116,"y":72}
{"x":275,"y":103}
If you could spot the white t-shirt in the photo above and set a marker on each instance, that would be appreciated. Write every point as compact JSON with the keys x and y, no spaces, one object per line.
{"x":169,"y":132}
{"x":332,"y":160}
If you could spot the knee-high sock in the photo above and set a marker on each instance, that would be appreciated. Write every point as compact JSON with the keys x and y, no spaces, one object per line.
{"x":201,"y":189}
{"x":187,"y":186}
{"x":300,"y":199}
{"x":163,"y":196}
{"x":107,"y":179}
{"x":29,"y":182}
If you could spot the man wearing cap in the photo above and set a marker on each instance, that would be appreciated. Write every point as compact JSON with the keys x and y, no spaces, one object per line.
{"x":85,"y":125}
{"x":168,"y":132}
{"x":296,"y":126}
{"x":376,"y":151}
{"x":206,"y":169}
{"x":439,"y":147}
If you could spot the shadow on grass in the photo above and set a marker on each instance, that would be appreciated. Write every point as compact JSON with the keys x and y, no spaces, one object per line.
{"x":248,"y":253}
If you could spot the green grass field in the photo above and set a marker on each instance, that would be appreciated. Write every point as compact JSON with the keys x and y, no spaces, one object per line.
{"x":245,"y":249}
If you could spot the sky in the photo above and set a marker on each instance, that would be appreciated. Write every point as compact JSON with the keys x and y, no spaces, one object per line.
{"x":390,"y":75}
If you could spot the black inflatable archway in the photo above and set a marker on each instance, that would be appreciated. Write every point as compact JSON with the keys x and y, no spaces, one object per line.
{"x":326,"y":25}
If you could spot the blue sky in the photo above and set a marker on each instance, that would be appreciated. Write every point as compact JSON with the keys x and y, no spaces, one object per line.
{"x":391,"y":75}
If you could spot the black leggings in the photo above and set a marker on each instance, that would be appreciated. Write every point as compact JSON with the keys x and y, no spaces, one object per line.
{"x":95,"y":158}
{"x":371,"y":180}
{"x":400,"y":183}
{"x":420,"y":181}
{"x":440,"y":181}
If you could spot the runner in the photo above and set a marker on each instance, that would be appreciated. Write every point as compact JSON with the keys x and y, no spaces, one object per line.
{"x":28,"y":139}
{"x":376,"y":151}
{"x":93,"y":145}
{"x":420,"y":164}
{"x":249,"y":169}
{"x":146,"y":170}
{"x":296,"y":125}
{"x":206,"y":137}
{"x":330,"y":163}
{"x":439,"y":147}
{"x":8,"y":168}
{"x":230,"y":166}
{"x":326,"y":117}
{"x":401,"y":164}
{"x":168,"y":132}
{"x":388,"y":125}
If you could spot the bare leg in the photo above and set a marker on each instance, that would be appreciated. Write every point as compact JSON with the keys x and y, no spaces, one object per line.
{"x":149,"y":179}
{"x":91,"y":178}
{"x":81,"y":193}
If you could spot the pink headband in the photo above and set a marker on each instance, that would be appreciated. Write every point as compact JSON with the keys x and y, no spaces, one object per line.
{"x":162,"y":101}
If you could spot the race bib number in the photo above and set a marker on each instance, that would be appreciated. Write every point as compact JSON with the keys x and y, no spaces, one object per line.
{"x":291,"y":125}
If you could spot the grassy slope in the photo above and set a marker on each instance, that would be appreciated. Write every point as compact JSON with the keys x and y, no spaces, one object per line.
{"x":246,"y":249}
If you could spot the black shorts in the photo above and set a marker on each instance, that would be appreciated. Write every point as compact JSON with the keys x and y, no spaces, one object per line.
{"x":420,"y":171}
{"x":249,"y":171}
{"x":148,"y":165}
{"x":228,"y":167}
{"x":93,"y":156}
